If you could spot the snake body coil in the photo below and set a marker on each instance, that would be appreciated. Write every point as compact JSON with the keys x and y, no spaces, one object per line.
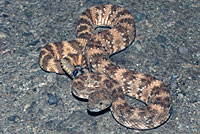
{"x":98,"y":79}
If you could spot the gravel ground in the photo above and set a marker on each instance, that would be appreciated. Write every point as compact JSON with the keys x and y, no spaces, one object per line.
{"x":36,"y":102}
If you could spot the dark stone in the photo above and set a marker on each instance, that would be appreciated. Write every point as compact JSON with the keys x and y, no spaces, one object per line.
{"x":14,"y":118}
{"x":26,"y":34}
{"x":161,"y":39}
{"x":52,"y":99}
{"x":51,"y":125}
{"x":34,"y":43}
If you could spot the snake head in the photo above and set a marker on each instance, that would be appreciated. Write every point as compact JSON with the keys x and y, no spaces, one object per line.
{"x":99,"y":100}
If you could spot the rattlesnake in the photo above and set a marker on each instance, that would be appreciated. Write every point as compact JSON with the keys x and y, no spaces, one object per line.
{"x":98,"y":79}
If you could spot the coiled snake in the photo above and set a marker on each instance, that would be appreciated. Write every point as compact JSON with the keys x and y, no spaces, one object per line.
{"x":101,"y":81}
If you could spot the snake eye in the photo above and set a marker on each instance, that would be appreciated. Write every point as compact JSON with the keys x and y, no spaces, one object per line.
{"x":100,"y":103}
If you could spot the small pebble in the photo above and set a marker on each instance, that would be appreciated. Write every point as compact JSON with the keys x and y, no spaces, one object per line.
{"x":180,"y":96}
{"x":13,"y":118}
{"x":138,"y":17}
{"x":52,"y":99}
{"x":5,"y":15}
{"x":193,"y":99}
{"x":174,"y":77}
{"x":2,"y":35}
{"x":50,"y":125}
{"x":183,"y":50}
{"x":161,"y":39}
{"x":51,"y":77}
{"x":138,"y":45}
{"x":157,"y":62}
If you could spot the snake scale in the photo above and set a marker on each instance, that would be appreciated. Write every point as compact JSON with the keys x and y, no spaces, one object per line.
{"x":101,"y":81}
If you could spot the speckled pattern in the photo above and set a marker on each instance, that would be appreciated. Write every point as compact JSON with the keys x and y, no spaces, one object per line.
{"x":33,"y":101}
{"x":107,"y":87}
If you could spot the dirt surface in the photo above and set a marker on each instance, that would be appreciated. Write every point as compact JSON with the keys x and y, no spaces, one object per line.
{"x":36,"y":102}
